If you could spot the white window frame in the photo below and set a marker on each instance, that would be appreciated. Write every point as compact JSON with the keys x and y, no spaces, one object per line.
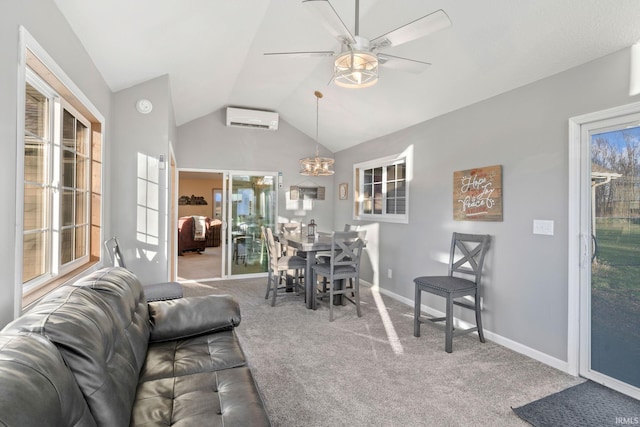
{"x":27,"y":42}
{"x":358,"y":179}
{"x":54,"y":150}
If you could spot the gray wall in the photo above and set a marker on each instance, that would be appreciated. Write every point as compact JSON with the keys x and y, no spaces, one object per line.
{"x":207,"y":143}
{"x":525,"y":131}
{"x":140,"y":187}
{"x":47,"y":25}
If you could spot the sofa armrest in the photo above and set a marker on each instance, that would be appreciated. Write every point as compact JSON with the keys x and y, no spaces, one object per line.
{"x":162,"y":291}
{"x":192,"y":316}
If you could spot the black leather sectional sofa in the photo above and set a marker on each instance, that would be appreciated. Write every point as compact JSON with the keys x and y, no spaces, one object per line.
{"x":95,"y":353}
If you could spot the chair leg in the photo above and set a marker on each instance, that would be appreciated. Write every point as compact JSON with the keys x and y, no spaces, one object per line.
{"x":416,"y":312}
{"x":479,"y":317}
{"x":275,"y":289}
{"x":296,"y":281}
{"x":342,"y":297}
{"x":448,"y":345}
{"x":331,"y":285}
{"x":357,"y":296}
{"x":269,"y":277}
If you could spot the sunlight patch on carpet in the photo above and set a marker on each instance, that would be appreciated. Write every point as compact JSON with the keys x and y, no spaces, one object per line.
{"x":392,"y":335}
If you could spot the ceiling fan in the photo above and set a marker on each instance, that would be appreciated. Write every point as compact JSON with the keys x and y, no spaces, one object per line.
{"x":356,"y":65}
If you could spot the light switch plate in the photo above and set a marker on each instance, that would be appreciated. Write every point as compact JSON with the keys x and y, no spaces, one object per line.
{"x":544,"y":227}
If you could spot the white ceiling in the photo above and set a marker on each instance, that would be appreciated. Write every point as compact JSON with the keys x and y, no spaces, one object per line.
{"x":213,"y":52}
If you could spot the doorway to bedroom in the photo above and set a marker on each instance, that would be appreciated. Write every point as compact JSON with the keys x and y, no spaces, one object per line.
{"x":199,"y":239}
{"x":220,"y":215}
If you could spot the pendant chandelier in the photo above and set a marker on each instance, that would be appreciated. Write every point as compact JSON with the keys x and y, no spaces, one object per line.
{"x":317,"y":166}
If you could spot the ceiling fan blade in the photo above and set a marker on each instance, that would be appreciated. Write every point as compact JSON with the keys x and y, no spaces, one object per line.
{"x":330,"y":19}
{"x":303,"y":54}
{"x":421,"y":27}
{"x":402,"y":64}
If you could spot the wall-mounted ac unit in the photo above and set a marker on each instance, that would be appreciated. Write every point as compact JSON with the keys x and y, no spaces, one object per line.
{"x":241,"y":117}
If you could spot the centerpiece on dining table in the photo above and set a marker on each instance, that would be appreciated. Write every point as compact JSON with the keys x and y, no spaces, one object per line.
{"x":311,"y":228}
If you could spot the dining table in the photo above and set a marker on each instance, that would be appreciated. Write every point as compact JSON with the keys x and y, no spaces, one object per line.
{"x":311,"y":245}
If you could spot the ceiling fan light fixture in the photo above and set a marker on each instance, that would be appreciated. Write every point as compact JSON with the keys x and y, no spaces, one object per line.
{"x":356,"y":69}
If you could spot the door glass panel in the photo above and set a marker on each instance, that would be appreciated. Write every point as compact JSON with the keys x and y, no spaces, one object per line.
{"x":217,"y":203}
{"x":615,"y":266}
{"x":252,"y":201}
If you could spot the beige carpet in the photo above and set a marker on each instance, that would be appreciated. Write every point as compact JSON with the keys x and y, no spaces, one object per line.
{"x":208,"y":264}
{"x":199,"y":266}
{"x":372,"y":371}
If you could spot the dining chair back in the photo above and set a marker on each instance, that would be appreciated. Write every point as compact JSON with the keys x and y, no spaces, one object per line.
{"x":362,"y":232}
{"x":113,"y":250}
{"x":279,"y":265}
{"x":152,"y":292}
{"x":344,"y":263}
{"x":290,"y":227}
{"x":323,"y":257}
{"x":466,"y":261}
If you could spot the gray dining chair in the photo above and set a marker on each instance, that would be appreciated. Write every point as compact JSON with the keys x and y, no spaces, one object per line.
{"x":344,"y":263}
{"x":323,"y":257}
{"x":279,"y":265}
{"x":466,"y":259}
{"x":152,"y":292}
{"x":291,"y":227}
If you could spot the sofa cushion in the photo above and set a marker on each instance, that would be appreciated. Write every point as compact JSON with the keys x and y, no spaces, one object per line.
{"x":37,"y":389}
{"x":189,"y":317}
{"x":220,"y":398}
{"x":124,"y":293}
{"x":200,"y":354}
{"x":100,"y":326}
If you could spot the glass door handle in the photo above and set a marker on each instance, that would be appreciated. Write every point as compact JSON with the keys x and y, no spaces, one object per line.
{"x":584,"y":248}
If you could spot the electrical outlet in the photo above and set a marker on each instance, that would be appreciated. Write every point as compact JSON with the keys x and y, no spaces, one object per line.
{"x":390,"y":273}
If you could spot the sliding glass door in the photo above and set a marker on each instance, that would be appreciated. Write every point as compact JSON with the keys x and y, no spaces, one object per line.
{"x":610,"y":276}
{"x":251,"y":203}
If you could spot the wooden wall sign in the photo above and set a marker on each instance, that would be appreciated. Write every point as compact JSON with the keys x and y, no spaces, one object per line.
{"x":477,"y":194}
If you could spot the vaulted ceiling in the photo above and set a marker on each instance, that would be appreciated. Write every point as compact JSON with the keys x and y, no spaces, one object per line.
{"x":213,"y":52}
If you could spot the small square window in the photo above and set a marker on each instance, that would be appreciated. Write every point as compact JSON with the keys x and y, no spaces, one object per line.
{"x":381,"y":190}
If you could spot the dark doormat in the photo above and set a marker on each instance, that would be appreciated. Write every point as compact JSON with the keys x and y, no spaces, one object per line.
{"x":583,"y":405}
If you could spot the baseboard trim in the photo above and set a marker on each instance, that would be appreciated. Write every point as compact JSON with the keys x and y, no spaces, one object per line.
{"x":498,"y":339}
